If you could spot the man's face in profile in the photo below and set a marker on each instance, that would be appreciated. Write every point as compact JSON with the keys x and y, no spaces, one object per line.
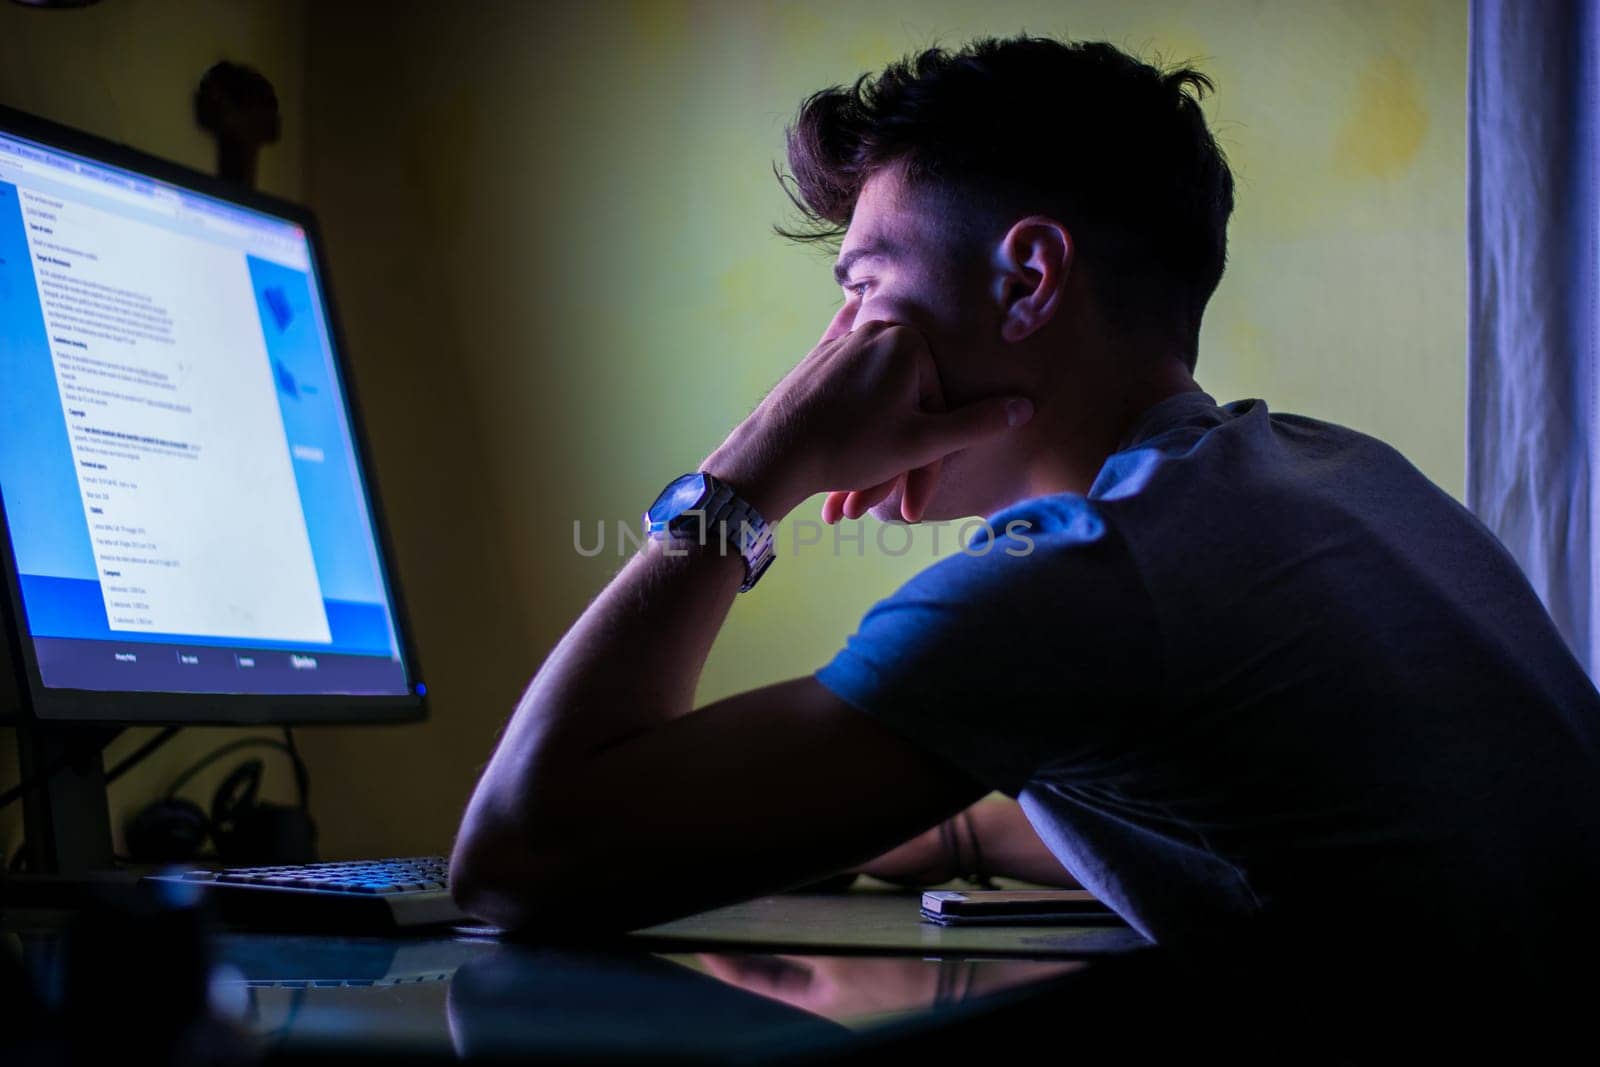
{"x":899,"y":262}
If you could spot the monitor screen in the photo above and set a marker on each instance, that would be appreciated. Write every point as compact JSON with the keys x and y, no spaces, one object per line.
{"x":183,"y":494}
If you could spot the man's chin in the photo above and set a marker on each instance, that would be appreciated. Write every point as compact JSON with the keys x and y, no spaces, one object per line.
{"x":888,"y":509}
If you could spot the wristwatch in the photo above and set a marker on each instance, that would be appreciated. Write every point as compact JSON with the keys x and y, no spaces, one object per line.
{"x":701,"y":506}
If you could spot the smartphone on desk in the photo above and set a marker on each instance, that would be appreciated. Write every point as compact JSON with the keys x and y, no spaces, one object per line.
{"x":1060,"y":907}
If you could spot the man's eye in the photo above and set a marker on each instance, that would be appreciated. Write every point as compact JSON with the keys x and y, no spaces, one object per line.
{"x":859,"y":288}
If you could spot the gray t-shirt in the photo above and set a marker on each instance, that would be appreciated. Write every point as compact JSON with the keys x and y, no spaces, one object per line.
{"x":1268,"y":692}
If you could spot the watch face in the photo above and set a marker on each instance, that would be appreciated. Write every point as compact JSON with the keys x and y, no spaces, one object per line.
{"x":683,"y":494}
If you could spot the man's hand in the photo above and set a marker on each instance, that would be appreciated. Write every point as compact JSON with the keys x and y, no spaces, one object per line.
{"x":859,"y":414}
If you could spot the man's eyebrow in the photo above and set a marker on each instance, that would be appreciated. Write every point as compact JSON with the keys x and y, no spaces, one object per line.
{"x":876,"y":249}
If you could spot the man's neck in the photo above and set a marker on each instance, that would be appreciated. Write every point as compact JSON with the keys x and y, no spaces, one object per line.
{"x":1088,"y":430}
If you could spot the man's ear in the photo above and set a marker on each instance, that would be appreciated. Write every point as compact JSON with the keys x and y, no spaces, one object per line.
{"x":1031,"y":264}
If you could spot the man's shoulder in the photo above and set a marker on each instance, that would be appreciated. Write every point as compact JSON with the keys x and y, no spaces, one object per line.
{"x":1044,"y":547}
{"x":1034,"y":529}
{"x":1213,"y":452}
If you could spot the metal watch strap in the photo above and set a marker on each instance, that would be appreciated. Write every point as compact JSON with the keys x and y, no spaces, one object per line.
{"x":740,"y":526}
{"x":745,"y":531}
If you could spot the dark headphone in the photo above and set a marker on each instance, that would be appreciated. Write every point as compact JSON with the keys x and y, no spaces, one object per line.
{"x":244,"y":830}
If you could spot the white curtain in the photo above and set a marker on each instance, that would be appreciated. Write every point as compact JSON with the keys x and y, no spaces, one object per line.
{"x":1533,"y":266}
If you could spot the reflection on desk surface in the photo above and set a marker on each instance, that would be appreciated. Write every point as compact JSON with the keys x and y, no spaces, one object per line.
{"x":474,"y":997}
{"x":860,"y":990}
{"x":693,"y":992}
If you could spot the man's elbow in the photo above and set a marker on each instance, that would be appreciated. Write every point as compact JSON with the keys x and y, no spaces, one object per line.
{"x":494,"y":876}
{"x":501,"y":877}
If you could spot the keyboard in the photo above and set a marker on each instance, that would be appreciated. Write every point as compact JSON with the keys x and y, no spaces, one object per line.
{"x":353,"y":896}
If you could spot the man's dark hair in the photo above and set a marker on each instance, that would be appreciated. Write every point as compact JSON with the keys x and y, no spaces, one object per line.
{"x":1116,"y":149}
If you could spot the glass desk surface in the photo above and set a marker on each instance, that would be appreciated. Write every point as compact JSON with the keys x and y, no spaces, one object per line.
{"x":794,"y":975}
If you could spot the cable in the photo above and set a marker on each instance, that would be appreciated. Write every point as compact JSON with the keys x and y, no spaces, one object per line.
{"x":302,"y":774}
{"x":217,"y":753}
{"x":138,"y":755}
{"x":21,"y":789}
{"x":28,"y":785}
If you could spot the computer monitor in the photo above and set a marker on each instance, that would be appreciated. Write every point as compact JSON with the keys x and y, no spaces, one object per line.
{"x":190,"y":529}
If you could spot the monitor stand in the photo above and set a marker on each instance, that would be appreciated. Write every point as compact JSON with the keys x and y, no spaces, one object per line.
{"x":66,"y":822}
{"x":66,"y":819}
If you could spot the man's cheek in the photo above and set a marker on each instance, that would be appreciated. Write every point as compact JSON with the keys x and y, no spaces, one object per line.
{"x":888,"y":509}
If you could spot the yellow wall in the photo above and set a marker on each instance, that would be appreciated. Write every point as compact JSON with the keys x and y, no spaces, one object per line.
{"x":583,"y":193}
{"x":549,"y":226}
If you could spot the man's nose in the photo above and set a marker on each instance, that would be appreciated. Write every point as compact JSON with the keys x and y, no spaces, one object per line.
{"x":843,"y":322}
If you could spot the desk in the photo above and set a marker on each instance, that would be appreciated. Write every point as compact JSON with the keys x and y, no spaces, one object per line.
{"x":796,"y":979}
{"x":803,"y":978}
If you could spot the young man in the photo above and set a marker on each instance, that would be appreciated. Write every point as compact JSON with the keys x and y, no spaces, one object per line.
{"x":1256,"y":682}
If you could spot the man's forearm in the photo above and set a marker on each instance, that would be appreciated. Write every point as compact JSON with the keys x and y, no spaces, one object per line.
{"x":630,"y":662}
{"x":1011,"y":847}
{"x":633,"y":658}
{"x":850,"y":418}
{"x":1007,"y":844}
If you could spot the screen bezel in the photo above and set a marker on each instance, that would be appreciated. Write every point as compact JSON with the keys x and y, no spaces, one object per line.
{"x":38,"y":701}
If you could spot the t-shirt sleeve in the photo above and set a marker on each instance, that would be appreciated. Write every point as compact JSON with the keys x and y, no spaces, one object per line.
{"x":1038,"y":651}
